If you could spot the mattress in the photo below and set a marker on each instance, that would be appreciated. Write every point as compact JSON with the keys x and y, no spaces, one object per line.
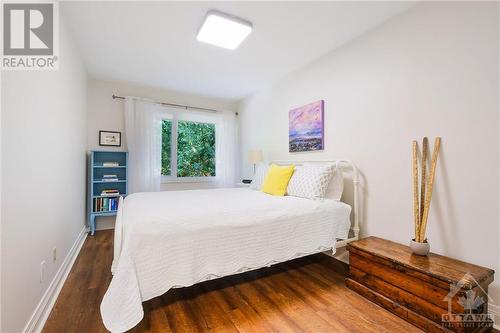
{"x":174,"y":239}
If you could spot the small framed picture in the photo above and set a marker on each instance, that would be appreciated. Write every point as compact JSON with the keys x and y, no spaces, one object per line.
{"x":110,"y":138}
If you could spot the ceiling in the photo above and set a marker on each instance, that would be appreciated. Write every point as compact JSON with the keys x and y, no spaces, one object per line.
{"x":154,"y":43}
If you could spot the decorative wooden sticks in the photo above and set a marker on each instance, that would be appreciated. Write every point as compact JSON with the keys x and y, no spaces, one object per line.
{"x":421,"y":209}
{"x":425,"y":153}
{"x":416,"y":212}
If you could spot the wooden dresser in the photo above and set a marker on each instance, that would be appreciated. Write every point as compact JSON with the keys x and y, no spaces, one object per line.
{"x":420,"y":289}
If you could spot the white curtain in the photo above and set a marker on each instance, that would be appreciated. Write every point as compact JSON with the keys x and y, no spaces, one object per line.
{"x":226,"y":148}
{"x":143,"y":134}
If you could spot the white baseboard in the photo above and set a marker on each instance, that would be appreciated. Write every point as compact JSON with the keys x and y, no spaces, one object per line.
{"x":494,"y":310}
{"x":42,"y":311}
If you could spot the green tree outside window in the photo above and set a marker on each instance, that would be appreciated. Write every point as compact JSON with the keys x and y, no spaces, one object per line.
{"x":195,"y":149}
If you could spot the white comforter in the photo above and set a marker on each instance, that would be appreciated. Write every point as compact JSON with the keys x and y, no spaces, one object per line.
{"x":174,"y":239}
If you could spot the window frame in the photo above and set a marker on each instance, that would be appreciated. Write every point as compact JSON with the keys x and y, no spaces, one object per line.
{"x":173,"y":178}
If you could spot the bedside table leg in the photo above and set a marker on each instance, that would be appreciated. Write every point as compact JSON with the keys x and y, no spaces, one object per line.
{"x":92,"y":225}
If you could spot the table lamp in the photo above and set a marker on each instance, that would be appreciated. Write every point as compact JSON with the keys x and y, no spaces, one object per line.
{"x":254,"y":157}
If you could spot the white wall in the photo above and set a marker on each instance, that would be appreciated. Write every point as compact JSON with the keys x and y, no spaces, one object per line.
{"x":432,"y":71}
{"x":44,"y":139}
{"x":1,"y":294}
{"x":106,"y":113}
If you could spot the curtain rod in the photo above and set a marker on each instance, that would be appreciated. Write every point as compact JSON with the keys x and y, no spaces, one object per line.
{"x":186,"y":107}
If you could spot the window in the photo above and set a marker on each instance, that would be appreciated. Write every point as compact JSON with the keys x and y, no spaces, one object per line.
{"x":188,"y":149}
{"x":166,"y":147}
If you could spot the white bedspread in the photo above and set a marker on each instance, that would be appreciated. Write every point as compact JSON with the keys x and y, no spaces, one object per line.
{"x":173,"y":239}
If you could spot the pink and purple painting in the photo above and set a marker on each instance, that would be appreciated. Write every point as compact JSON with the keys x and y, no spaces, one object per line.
{"x":306,"y":127}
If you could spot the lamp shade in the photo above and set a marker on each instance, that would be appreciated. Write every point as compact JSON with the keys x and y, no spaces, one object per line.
{"x":255,"y":156}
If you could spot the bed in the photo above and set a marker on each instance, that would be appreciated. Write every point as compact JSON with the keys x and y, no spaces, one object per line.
{"x":165,"y":240}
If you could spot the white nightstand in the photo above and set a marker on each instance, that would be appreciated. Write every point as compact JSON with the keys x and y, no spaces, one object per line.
{"x":242,"y":185}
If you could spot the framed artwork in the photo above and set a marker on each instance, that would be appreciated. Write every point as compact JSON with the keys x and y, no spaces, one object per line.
{"x":110,"y":138}
{"x":306,"y":128}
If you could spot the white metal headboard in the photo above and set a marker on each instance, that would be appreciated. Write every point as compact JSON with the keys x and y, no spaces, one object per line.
{"x":350,"y":168}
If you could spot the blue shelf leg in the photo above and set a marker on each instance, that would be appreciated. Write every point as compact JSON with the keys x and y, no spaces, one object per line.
{"x":92,"y":224}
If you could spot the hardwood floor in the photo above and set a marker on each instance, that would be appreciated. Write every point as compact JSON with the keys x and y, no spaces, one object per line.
{"x":304,"y":295}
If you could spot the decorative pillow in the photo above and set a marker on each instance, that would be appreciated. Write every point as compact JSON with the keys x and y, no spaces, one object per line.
{"x":336,"y":185}
{"x":310,"y":181}
{"x":277,"y":179}
{"x":259,"y":176}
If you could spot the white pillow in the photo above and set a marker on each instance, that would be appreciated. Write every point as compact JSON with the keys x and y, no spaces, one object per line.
{"x":336,"y":185}
{"x":259,"y":176}
{"x":310,"y":181}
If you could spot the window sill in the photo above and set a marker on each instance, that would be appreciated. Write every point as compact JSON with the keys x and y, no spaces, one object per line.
{"x":166,"y":180}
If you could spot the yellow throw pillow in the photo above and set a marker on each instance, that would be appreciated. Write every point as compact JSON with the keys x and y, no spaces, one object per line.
{"x":277,"y":179}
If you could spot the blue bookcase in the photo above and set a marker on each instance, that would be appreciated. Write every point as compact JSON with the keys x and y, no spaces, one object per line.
{"x":103,"y":165}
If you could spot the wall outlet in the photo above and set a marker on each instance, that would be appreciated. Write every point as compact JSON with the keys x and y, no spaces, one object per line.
{"x":54,"y":254}
{"x":42,"y":270}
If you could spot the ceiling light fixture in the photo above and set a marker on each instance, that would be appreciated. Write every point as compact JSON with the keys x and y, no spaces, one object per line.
{"x":223,"y":30}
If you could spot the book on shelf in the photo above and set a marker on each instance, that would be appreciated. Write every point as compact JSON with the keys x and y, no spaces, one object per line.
{"x":105,"y":205}
{"x":110,"y":164}
{"x":110,"y":193}
{"x":110,"y":179}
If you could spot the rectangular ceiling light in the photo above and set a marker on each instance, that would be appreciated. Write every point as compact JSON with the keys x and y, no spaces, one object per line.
{"x":224,"y":30}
